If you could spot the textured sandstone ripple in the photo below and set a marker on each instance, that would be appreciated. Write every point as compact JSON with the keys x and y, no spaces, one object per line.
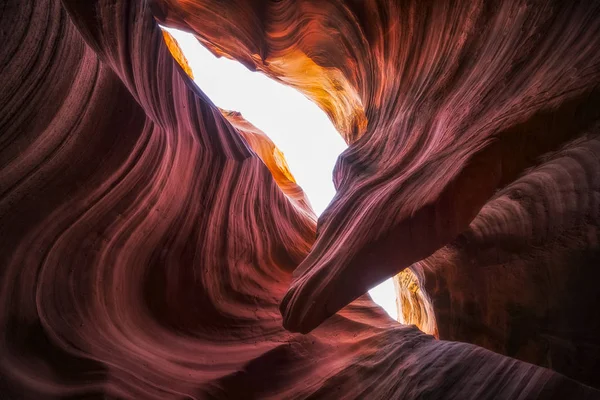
{"x":458,"y":101}
{"x":147,"y":240}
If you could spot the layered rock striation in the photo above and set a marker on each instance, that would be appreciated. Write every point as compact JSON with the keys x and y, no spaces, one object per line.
{"x":154,"y":246}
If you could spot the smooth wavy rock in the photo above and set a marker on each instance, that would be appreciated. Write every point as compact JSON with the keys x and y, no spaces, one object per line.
{"x":145,"y":245}
{"x":459,"y":101}
{"x":522,"y":280}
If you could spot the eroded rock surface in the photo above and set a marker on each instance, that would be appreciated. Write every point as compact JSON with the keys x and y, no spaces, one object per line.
{"x":459,"y":101}
{"x":148,"y":241}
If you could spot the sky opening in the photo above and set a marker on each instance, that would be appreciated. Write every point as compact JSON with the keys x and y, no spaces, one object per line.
{"x":299,"y":128}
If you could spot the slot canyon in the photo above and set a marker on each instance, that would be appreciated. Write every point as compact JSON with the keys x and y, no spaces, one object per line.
{"x":156,"y":246}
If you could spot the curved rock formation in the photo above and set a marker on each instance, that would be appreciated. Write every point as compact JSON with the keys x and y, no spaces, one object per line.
{"x":459,"y":100}
{"x":522,"y":280}
{"x":147,"y":241}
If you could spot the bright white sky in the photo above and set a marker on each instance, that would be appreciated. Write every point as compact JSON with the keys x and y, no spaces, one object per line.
{"x":299,"y":128}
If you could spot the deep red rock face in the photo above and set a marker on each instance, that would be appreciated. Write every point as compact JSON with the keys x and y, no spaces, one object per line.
{"x":149,"y":241}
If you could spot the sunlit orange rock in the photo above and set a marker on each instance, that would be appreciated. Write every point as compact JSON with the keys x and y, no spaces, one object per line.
{"x":177,"y":53}
{"x":273,"y":158}
{"x":149,"y":241}
{"x":413,"y":303}
{"x":288,"y":40}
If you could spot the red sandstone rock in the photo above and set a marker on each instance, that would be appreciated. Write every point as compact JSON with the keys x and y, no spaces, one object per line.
{"x":145,"y":246}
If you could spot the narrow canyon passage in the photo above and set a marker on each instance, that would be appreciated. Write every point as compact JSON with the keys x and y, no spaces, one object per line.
{"x":154,"y":244}
{"x":297,"y":126}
